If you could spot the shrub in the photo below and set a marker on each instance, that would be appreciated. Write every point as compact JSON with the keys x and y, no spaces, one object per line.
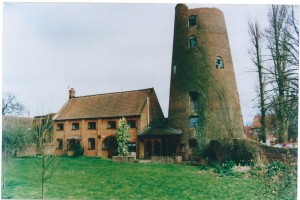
{"x":239,"y":151}
{"x":224,"y":168}
{"x":279,"y":180}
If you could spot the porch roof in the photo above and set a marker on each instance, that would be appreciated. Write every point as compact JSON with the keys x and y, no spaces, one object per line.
{"x":159,"y":128}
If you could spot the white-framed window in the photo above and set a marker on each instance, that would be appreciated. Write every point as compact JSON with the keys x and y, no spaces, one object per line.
{"x":219,"y":62}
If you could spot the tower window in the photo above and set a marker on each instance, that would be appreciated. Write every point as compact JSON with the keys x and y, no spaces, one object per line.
{"x":192,"y":41}
{"x":194,"y":102}
{"x":194,"y":121}
{"x":174,"y":69}
{"x":219,"y":62}
{"x":192,"y":20}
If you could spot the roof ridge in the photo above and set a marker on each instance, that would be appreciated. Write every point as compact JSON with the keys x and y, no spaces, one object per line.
{"x":115,"y":92}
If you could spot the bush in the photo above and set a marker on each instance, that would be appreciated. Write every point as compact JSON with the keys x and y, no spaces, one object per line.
{"x":239,"y":151}
{"x":279,"y":180}
{"x":224,"y":168}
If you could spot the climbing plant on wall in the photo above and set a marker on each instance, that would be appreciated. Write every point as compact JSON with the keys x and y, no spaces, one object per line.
{"x":123,"y":137}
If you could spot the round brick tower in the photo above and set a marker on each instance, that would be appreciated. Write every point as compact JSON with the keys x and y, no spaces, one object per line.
{"x":204,"y":101}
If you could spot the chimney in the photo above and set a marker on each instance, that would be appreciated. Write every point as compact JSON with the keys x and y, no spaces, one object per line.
{"x":71,"y":93}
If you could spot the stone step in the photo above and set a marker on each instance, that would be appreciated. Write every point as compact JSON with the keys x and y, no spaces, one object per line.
{"x":144,"y":161}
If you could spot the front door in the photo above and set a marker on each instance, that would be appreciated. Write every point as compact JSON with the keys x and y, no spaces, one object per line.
{"x":111,"y":146}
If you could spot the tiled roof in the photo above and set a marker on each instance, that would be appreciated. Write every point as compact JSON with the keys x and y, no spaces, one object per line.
{"x":257,"y":123}
{"x":129,"y":103}
{"x":159,"y":127}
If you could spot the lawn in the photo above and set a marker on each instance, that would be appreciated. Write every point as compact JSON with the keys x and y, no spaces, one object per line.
{"x":95,"y":178}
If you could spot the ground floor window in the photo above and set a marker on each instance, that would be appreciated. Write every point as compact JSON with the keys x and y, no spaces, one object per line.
{"x":91,"y":143}
{"x":59,"y":144}
{"x":132,"y":147}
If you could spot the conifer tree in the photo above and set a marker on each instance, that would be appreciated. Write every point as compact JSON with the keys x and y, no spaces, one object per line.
{"x":123,"y":137}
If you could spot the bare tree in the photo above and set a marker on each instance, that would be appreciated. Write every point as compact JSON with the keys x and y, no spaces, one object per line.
{"x":256,"y":57}
{"x":10,"y":105}
{"x":277,"y":64}
{"x":43,"y":129}
{"x":283,"y":46}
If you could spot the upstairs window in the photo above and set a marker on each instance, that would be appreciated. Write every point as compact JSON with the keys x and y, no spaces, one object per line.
{"x":194,"y":122}
{"x":194,"y":102}
{"x":91,"y":143}
{"x":192,"y":20}
{"x":75,"y":126}
{"x":111,"y":125}
{"x":59,"y":144}
{"x":92,"y":125}
{"x":219,"y":62}
{"x":132,"y":123}
{"x":192,"y":41}
{"x":60,"y":127}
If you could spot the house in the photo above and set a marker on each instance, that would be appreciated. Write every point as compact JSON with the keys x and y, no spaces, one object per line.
{"x":270,"y":126}
{"x":248,"y":132}
{"x":92,"y":121}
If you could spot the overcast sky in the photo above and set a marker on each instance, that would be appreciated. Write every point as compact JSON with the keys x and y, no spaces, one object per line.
{"x":99,"y":48}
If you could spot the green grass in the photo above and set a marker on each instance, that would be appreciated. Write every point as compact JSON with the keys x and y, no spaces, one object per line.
{"x":95,"y":178}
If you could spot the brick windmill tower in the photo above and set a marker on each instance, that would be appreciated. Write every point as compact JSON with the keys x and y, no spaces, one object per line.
{"x":204,"y":101}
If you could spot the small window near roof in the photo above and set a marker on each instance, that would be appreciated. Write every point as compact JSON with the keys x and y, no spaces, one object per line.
{"x":192,"y":41}
{"x":91,"y":143}
{"x":60,"y":127}
{"x":75,"y":126}
{"x":132,"y":123}
{"x":192,"y":20}
{"x":92,"y":125}
{"x":111,"y":125}
{"x":219,"y":62}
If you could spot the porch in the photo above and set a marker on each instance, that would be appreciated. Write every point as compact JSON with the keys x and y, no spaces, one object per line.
{"x":158,"y":139}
